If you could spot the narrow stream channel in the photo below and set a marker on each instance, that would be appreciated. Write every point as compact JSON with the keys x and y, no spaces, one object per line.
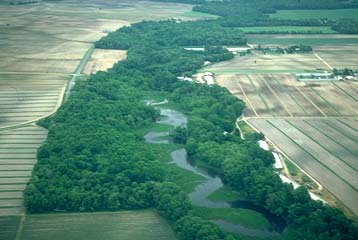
{"x":212,"y":183}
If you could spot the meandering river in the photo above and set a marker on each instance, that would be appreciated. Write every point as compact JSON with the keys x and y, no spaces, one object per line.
{"x":212,"y":183}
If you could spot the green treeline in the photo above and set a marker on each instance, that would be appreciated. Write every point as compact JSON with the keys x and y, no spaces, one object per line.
{"x":243,"y":13}
{"x":95,"y":159}
{"x":249,"y":171}
{"x":172,"y":33}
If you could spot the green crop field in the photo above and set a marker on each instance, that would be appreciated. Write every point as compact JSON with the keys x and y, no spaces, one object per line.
{"x":333,"y":14}
{"x":8,"y":227}
{"x":126,"y":225}
{"x":199,"y":15}
{"x":312,"y":39}
{"x":244,"y":217}
{"x":288,"y":29}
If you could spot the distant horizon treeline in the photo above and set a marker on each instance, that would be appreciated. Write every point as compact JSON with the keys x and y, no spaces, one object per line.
{"x":242,"y":13}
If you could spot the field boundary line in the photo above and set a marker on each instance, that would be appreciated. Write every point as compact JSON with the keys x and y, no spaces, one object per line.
{"x":308,"y":99}
{"x":244,"y":93}
{"x":258,"y":93}
{"x":319,"y":144}
{"x":326,"y":101}
{"x":324,"y":165}
{"x":322,"y":132}
{"x":323,"y":61}
{"x":335,"y":128}
{"x":291,"y":96}
{"x":344,"y":91}
{"x":20,"y":228}
{"x":276,"y":96}
{"x":78,"y":71}
{"x":320,"y":187}
{"x":347,"y":125}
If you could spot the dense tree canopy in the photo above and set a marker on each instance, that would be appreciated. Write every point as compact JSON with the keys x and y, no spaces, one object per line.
{"x":94,"y":158}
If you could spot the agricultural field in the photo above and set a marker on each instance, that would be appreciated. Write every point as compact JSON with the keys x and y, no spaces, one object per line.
{"x":18,"y":148}
{"x":315,"y":124}
{"x":44,"y":43}
{"x":27,"y":97}
{"x":315,"y":40}
{"x":124,"y":225}
{"x":8,"y":227}
{"x":325,"y":148}
{"x":331,"y":14}
{"x":339,"y":57}
{"x":103,"y":59}
{"x":263,"y":63}
{"x":288,"y":29}
{"x":282,"y":95}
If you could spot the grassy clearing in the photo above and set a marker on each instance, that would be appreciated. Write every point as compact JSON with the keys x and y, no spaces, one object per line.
{"x":292,"y":169}
{"x":124,"y":225}
{"x":333,"y":14}
{"x":225,"y":194}
{"x":199,"y":15}
{"x":246,"y":129}
{"x":185,"y":179}
{"x":245,"y":217}
{"x":288,"y":29}
{"x":283,"y":39}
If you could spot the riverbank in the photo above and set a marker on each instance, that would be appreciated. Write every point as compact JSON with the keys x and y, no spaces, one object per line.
{"x":232,"y":214}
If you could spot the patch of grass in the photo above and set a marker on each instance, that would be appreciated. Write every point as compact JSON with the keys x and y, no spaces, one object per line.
{"x":199,"y":15}
{"x":246,"y":130}
{"x":124,"y":225}
{"x":292,"y":169}
{"x":155,"y":127}
{"x":308,"y":182}
{"x":288,"y":29}
{"x":331,"y":14}
{"x":253,"y":71}
{"x":245,"y":217}
{"x":307,"y":40}
{"x":226,"y":194}
{"x":185,"y":179}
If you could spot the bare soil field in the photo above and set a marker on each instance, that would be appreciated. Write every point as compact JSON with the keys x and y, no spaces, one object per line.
{"x":27,"y":97}
{"x":315,"y":124}
{"x":18,"y":149}
{"x":281,"y":95}
{"x":43,"y":44}
{"x":339,"y":57}
{"x":319,"y":149}
{"x":103,"y":59}
{"x":262,"y":63}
